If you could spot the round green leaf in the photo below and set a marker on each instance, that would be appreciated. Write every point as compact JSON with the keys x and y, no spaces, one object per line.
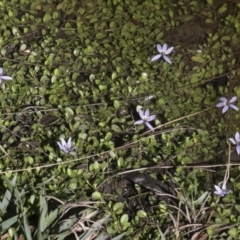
{"x":141,"y":214}
{"x":96,"y":195}
{"x":118,"y":207}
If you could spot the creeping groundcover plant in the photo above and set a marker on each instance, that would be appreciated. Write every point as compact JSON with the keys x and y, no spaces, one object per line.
{"x":114,"y":122}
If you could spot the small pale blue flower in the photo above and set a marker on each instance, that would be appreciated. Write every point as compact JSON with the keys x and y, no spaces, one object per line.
{"x":227,"y":104}
{"x":236,"y":142}
{"x":3,"y":77}
{"x":163,"y":51}
{"x":66,"y":146}
{"x":145,"y":118}
{"x":221,"y":192}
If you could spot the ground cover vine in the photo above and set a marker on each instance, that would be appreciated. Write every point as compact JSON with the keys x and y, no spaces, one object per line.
{"x":102,"y":137}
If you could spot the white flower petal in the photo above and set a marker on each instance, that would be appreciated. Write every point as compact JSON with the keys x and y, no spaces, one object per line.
{"x":238,"y":149}
{"x":69,"y":143}
{"x":167,"y":59}
{"x":217,"y":188}
{"x":233,"y":99}
{"x":5,"y":77}
{"x":154,"y":58}
{"x":159,"y":48}
{"x":146,"y":114}
{"x":237,"y":136}
{"x":150,"y":118}
{"x":225,"y":109}
{"x":218,"y":193}
{"x":233,"y":107}
{"x":139,"y":122}
{"x":63,"y":142}
{"x":164,"y":48}
{"x":222,"y":99}
{"x":169,"y":50}
{"x":149,"y":126}
{"x":224,"y":186}
{"x":232,"y":141}
{"x":141,"y":114}
{"x":221,"y":104}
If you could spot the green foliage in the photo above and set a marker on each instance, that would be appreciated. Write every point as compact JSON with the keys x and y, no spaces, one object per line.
{"x":80,"y":70}
{"x":49,"y":222}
